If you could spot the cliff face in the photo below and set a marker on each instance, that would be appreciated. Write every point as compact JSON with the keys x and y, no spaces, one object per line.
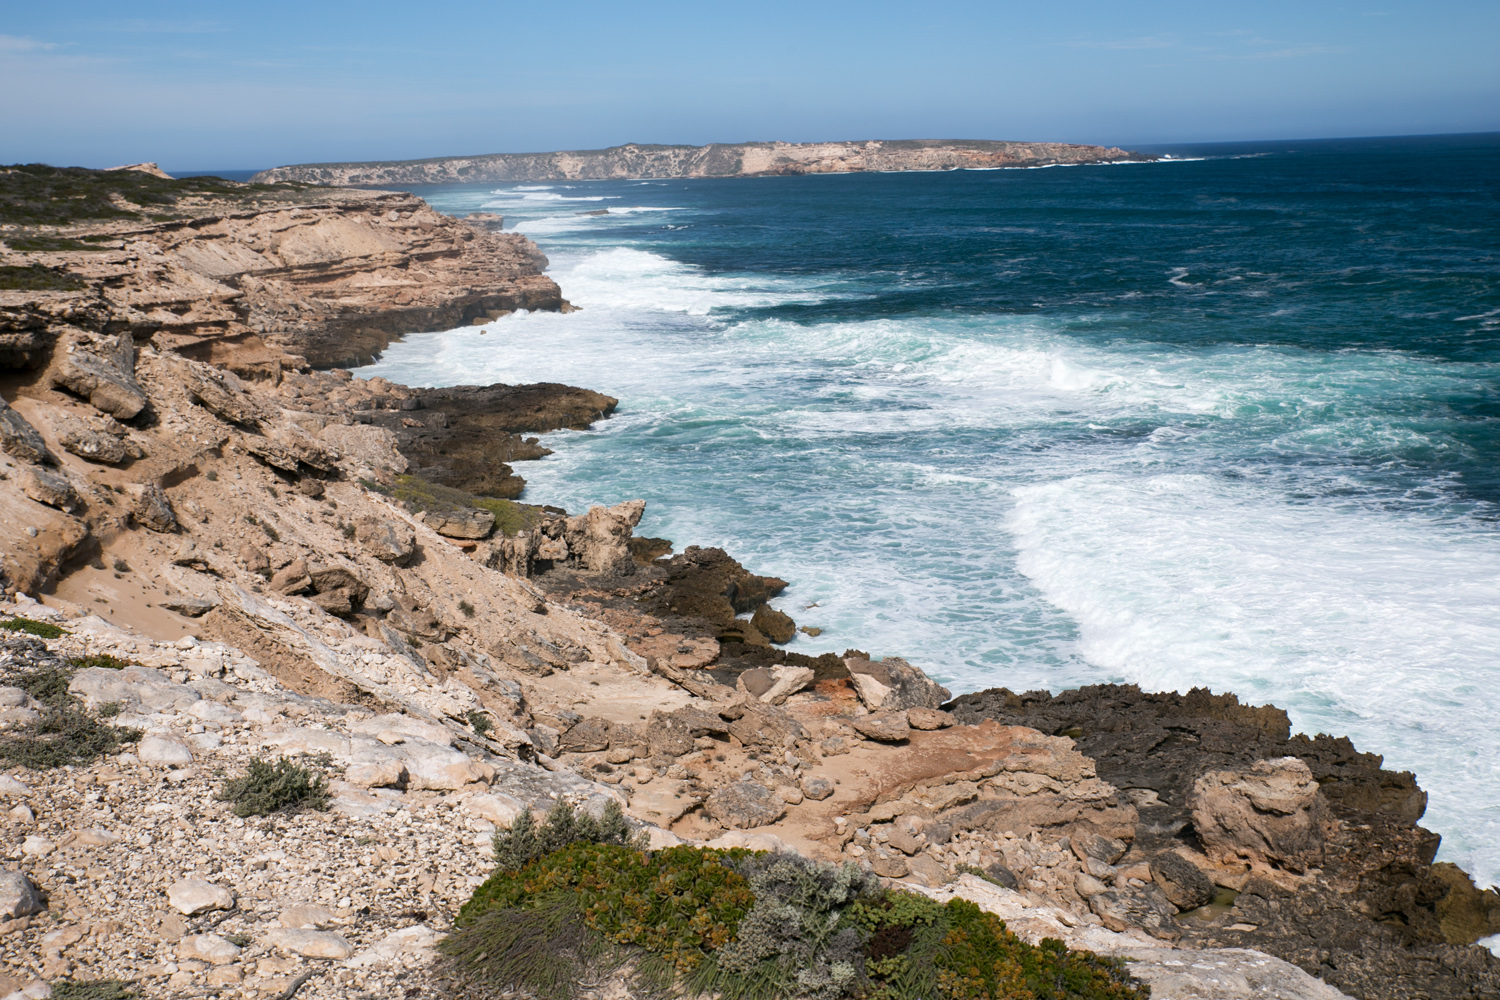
{"x":245,"y":275}
{"x":748,"y":159}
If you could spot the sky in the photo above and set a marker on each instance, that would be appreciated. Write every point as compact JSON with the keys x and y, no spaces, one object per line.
{"x":204,"y":85}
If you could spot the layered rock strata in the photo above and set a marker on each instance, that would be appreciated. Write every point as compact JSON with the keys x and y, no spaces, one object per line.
{"x":258,"y":278}
{"x":747,"y":159}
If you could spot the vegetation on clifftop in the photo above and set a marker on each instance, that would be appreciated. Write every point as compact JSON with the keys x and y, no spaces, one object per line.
{"x":739,"y":925}
{"x":36,"y":194}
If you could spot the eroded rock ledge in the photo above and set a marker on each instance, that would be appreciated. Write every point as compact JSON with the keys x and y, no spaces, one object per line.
{"x":259,"y":278}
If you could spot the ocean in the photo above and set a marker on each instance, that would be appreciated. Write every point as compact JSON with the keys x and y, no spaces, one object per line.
{"x":1230,"y":420}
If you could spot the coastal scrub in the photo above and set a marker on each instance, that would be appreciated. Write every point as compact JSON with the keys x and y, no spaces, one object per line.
{"x":739,"y":925}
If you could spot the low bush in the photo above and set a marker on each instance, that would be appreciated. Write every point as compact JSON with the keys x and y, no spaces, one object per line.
{"x":418,"y":494}
{"x":527,"y":840}
{"x":64,"y":733}
{"x":42,"y":630}
{"x":99,"y":660}
{"x":282,"y":786}
{"x":739,"y":925}
{"x":94,"y":989}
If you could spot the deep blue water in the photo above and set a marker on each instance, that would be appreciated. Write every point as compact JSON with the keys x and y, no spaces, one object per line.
{"x":1230,"y":420}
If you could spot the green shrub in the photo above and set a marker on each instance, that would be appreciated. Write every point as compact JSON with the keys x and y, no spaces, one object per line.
{"x":480,"y":723}
{"x":418,"y":494}
{"x":65,"y":733}
{"x":42,"y":630}
{"x":99,"y":660}
{"x":282,"y":786}
{"x":466,"y":608}
{"x":95,"y":989}
{"x":740,"y":925}
{"x":526,"y":840}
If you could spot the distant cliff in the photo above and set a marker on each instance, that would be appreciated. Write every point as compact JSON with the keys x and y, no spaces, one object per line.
{"x":747,"y":159}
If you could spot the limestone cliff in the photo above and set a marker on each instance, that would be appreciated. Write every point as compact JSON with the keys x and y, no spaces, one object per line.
{"x":746,"y":159}
{"x":245,"y":275}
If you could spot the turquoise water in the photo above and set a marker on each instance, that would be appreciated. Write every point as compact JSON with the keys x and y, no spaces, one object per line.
{"x":1231,"y":420}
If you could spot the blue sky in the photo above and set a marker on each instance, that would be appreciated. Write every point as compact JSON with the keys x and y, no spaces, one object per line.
{"x":205,"y":85}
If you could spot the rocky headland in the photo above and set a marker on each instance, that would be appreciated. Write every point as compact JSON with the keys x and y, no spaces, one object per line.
{"x":216,"y":553}
{"x":742,"y":159}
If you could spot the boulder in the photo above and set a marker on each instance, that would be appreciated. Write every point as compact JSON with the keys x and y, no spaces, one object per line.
{"x":309,"y":943}
{"x":220,"y":392}
{"x":906,"y":836}
{"x":755,"y":682}
{"x":928,"y":718}
{"x":191,"y":897}
{"x":104,"y":374}
{"x":887,"y":727}
{"x":50,"y":488}
{"x":164,"y":751}
{"x":600,"y":539}
{"x":785,"y":682}
{"x":817,"y":788}
{"x":292,"y":578}
{"x":774,"y":625}
{"x":209,"y":948}
{"x":888,"y":865}
{"x":1096,"y":847}
{"x":152,"y":509}
{"x":388,"y":540}
{"x":1270,"y":815}
{"x":893,"y":685}
{"x":87,"y":441}
{"x":668,"y":735}
{"x":185,"y":604}
{"x":1181,"y":881}
{"x":461,"y":522}
{"x":18,"y":896}
{"x":744,"y":805}
{"x":307,"y":915}
{"x":1145,"y":908}
{"x":1000,"y":873}
{"x":757,"y":724}
{"x":19,"y":439}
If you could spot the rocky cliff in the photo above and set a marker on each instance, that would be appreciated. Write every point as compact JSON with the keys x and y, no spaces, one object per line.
{"x":258,"y":277}
{"x":219,"y":568}
{"x":746,"y":159}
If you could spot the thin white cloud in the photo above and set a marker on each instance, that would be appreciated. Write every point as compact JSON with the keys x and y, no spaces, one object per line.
{"x":17,"y":43}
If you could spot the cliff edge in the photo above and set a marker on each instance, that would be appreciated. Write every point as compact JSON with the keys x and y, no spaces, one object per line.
{"x":744,"y":159}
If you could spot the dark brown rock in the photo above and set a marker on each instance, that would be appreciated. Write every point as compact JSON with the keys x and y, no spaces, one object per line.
{"x":465,"y":436}
{"x":19,"y":439}
{"x":773,"y":624}
{"x":1181,"y":881}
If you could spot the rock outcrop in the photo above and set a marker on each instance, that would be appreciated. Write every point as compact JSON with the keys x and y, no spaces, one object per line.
{"x":257,"y":278}
{"x":747,"y":159}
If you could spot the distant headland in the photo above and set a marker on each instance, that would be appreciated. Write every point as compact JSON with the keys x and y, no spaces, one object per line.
{"x":744,"y":159}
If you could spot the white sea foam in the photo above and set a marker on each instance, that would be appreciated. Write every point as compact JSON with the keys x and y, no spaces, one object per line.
{"x":1008,"y":504}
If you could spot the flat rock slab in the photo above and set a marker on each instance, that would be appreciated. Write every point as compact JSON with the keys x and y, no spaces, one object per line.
{"x":309,"y":943}
{"x":192,"y":896}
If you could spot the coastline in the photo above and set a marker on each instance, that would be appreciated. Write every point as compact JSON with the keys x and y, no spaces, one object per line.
{"x":360,"y":560}
{"x":748,"y":159}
